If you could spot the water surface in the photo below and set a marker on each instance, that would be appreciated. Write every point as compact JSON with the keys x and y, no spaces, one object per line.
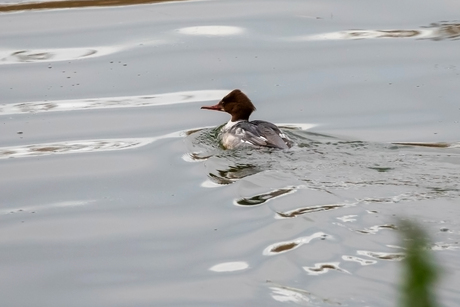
{"x":115,"y":191}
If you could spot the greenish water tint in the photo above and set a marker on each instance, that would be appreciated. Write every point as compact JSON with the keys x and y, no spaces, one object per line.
{"x":420,"y":272}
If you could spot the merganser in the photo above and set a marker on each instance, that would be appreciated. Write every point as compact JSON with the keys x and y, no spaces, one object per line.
{"x":239,"y":131}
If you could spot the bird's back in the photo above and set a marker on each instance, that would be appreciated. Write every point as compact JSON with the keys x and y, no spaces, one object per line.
{"x":256,"y":133}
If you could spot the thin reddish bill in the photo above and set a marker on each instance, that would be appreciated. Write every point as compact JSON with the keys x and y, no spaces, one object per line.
{"x":217,"y":107}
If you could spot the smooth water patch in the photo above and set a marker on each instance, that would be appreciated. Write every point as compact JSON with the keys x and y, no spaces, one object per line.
{"x":50,"y":206}
{"x":216,"y":30}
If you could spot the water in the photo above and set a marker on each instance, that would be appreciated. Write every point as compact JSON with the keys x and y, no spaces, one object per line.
{"x":114,"y":190}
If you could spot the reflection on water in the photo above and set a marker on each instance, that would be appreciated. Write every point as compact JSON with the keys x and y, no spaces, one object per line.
{"x":72,"y":4}
{"x":438,"y":144}
{"x":373,"y":173}
{"x":445,"y":30}
{"x":322,"y":268}
{"x":262,"y":198}
{"x":283,"y":247}
{"x":435,"y":31}
{"x":126,"y":246}
{"x":232,"y":173}
{"x":111,"y":102}
{"x":306,"y":210}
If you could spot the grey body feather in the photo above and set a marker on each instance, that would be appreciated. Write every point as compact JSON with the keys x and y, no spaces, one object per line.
{"x":256,"y":133}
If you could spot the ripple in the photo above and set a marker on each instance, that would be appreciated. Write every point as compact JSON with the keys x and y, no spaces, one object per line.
{"x":435,"y":31}
{"x":374,"y":229}
{"x":359,"y":260}
{"x":211,"y":30}
{"x":283,"y":247}
{"x":311,"y":209}
{"x":71,"y":147}
{"x":378,"y":172}
{"x":429,"y":144}
{"x":233,"y":173}
{"x":285,"y":294}
{"x":81,"y":146}
{"x":262,"y":198}
{"x":347,"y":218}
{"x":438,"y":246}
{"x":53,"y":55}
{"x":15,"y":56}
{"x":297,"y":126}
{"x":382,"y":256}
{"x":322,"y":268}
{"x":111,"y":102}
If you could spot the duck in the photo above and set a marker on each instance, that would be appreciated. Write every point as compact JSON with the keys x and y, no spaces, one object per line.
{"x":239,"y":131}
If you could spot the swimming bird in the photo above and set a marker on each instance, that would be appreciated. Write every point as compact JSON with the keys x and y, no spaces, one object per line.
{"x":239,"y":131}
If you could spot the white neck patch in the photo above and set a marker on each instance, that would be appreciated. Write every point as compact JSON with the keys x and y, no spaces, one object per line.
{"x":230,"y":124}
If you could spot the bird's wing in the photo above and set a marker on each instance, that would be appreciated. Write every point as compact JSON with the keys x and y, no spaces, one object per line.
{"x":266,"y":134}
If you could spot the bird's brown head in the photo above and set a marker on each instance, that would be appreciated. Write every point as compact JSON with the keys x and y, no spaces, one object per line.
{"x":236,"y":103}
